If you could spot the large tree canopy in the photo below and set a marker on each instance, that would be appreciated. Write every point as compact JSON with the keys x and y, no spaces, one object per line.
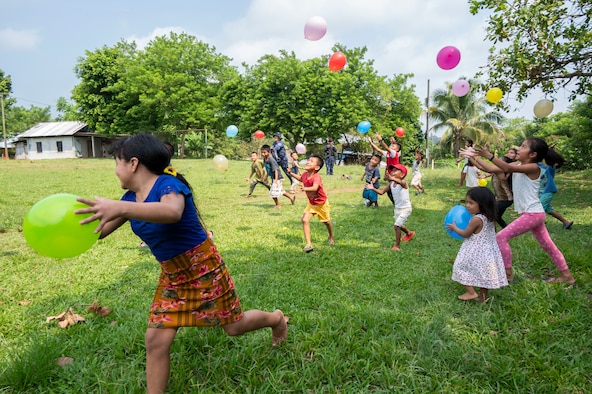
{"x":544,"y":44}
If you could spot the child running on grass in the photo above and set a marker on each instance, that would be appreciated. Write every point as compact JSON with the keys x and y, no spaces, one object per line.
{"x":548,"y":187}
{"x":318,"y":204}
{"x":416,"y":173}
{"x":400,"y":191}
{"x":479,"y":261}
{"x":258,"y":174}
{"x":195,"y":288}
{"x":276,"y":178}
{"x":526,"y":179}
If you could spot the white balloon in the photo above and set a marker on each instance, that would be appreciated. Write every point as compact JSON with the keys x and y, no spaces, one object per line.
{"x":315,"y":28}
{"x":543,"y":108}
{"x":221,"y":162}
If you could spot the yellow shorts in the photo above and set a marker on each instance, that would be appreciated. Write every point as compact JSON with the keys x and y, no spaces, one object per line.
{"x":323,"y":211}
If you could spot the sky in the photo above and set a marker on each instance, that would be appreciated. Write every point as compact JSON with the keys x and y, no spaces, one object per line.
{"x":42,"y":40}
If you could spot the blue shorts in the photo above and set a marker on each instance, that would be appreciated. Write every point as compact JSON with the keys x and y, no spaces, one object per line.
{"x":370,"y":195}
{"x":546,"y":199}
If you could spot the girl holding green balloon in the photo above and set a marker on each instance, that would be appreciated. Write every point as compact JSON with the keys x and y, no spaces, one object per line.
{"x":194,"y":288}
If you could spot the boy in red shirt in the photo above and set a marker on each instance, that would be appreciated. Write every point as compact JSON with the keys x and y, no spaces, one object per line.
{"x":318,"y":204}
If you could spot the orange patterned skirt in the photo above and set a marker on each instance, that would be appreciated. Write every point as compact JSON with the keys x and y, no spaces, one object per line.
{"x":195,"y":289}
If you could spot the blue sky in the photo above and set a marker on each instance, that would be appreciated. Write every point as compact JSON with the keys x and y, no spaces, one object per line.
{"x":41,"y":40}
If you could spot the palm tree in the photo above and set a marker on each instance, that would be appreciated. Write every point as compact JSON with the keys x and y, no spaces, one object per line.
{"x":464,"y":117}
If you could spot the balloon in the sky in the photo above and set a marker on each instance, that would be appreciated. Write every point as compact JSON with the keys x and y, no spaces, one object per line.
{"x":259,"y":134}
{"x":315,"y":28}
{"x":400,"y":132}
{"x":460,"y":88}
{"x":221,"y":162}
{"x":337,"y":61}
{"x":364,"y":126}
{"x":231,"y":130}
{"x":543,"y":108}
{"x":448,"y":58}
{"x":494,"y":95}
{"x":300,"y":148}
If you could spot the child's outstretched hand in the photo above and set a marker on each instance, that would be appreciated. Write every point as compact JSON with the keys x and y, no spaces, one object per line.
{"x":102,"y":209}
{"x":468,"y":152}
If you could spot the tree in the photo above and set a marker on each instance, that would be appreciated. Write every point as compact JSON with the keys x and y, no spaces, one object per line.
{"x":544,"y":44}
{"x":102,"y":97}
{"x":463,"y":117}
{"x":66,"y":111}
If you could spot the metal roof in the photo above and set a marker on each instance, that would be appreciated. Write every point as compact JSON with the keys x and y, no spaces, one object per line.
{"x":54,"y":129}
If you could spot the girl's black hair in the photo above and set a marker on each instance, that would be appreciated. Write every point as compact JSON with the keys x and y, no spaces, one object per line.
{"x":554,"y":159}
{"x":486,"y":200}
{"x":152,"y":153}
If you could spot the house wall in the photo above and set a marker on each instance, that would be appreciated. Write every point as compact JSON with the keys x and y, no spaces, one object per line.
{"x":28,"y":150}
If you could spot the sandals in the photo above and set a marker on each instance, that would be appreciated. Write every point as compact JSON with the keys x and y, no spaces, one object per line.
{"x":308,"y":249}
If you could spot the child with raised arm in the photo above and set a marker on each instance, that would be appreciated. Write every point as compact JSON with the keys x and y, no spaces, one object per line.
{"x":526,"y":179}
{"x":195,"y":288}
{"x":318,"y":204}
{"x":371,"y":176}
{"x":479,"y":261}
{"x":294,"y":169}
{"x":400,"y":190}
{"x":258,"y":174}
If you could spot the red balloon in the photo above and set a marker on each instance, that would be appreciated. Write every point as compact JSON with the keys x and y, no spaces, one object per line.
{"x":259,"y":134}
{"x":400,"y":131}
{"x":337,"y":61}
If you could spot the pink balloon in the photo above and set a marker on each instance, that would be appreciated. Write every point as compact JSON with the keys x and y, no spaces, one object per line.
{"x":448,"y":58}
{"x":300,"y":148}
{"x":460,"y":88}
{"x":315,"y":28}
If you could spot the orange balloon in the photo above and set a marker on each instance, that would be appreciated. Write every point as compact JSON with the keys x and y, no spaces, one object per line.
{"x":337,"y":61}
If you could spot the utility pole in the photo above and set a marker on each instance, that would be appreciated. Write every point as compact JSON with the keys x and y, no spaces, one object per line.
{"x":3,"y":126}
{"x":427,"y":132}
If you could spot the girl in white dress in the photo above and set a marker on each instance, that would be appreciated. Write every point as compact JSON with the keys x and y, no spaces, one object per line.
{"x":479,"y":261}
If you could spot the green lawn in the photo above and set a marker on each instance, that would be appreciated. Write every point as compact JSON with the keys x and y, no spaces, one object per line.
{"x":362,"y":318}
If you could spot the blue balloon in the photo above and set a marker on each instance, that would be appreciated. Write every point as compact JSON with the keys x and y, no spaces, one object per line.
{"x":460,"y":216}
{"x":364,"y":126}
{"x":231,"y":130}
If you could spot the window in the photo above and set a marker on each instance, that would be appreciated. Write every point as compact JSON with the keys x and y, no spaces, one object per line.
{"x":59,"y":146}
{"x":39,"y":147}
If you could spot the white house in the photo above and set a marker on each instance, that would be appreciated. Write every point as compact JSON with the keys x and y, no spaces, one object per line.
{"x":60,"y":140}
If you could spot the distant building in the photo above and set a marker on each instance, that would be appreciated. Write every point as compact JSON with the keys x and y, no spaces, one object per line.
{"x":61,"y":140}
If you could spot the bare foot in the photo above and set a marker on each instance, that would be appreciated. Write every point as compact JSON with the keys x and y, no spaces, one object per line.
{"x":468,"y":296}
{"x":331,"y":241}
{"x":279,"y":333}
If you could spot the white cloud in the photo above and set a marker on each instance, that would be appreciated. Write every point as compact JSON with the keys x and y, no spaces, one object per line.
{"x":19,"y":40}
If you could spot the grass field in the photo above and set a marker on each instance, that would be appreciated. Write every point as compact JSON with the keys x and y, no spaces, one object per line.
{"x":362,"y":318}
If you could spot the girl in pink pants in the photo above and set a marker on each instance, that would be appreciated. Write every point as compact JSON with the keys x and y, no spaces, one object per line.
{"x":526,"y":175}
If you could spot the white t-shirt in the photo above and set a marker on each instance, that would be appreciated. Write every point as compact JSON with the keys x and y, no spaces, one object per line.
{"x":471,"y":180}
{"x":400,"y":196}
{"x":526,"y":193}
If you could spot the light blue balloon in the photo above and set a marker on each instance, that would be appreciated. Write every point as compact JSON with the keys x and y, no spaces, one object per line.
{"x":232,"y":131}
{"x":460,"y":216}
{"x":364,"y":126}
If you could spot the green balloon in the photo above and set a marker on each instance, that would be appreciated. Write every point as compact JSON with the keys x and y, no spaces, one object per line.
{"x":52,"y":228}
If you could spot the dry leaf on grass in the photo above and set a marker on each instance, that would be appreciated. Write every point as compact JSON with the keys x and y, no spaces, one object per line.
{"x":66,"y":318}
{"x":62,"y":361}
{"x":97,"y":308}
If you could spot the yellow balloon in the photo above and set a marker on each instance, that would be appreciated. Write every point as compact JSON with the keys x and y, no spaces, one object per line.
{"x":494,"y":95}
{"x":221,"y":162}
{"x":543,"y":108}
{"x":482,"y":182}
